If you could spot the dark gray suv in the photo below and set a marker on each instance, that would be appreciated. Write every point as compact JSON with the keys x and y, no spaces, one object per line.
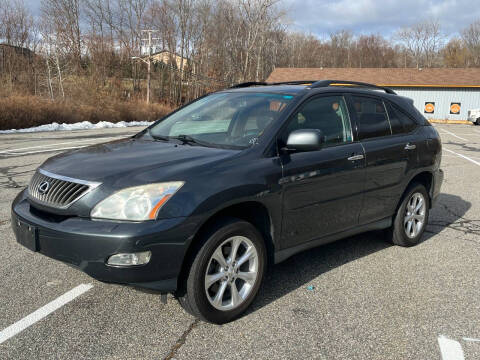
{"x":198,"y":203}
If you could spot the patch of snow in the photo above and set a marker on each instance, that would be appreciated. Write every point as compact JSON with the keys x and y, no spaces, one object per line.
{"x":84,"y":125}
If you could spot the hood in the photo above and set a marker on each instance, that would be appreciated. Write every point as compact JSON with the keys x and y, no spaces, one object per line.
{"x":131,"y":158}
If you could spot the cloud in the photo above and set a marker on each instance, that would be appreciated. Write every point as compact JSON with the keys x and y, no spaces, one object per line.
{"x":322,"y":17}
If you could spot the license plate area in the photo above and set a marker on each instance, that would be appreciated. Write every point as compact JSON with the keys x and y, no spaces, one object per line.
{"x":27,"y":235}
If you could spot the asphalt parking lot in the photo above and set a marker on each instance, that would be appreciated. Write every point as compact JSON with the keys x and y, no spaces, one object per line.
{"x":358,"y":298}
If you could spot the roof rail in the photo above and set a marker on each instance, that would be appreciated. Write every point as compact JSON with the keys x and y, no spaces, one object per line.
{"x":247,"y":84}
{"x":256,"y":83}
{"x":313,"y":84}
{"x":296,"y":82}
{"x":325,"y":83}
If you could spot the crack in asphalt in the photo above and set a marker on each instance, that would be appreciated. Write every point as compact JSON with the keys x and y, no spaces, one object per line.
{"x":8,"y":173}
{"x":463,"y":146}
{"x":181,"y":340}
{"x":17,"y":173}
{"x":462,"y":224}
{"x":4,"y":222}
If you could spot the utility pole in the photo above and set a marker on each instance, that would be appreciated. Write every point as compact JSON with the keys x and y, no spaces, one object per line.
{"x":149,"y":63}
{"x":148,"y":59}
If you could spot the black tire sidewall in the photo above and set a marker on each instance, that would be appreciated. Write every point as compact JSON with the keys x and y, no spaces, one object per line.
{"x":400,"y":237}
{"x":195,"y":282}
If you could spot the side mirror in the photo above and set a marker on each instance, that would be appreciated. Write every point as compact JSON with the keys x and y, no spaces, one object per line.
{"x":305,"y":140}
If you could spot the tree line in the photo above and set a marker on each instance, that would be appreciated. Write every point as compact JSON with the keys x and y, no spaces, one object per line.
{"x":86,"y":50}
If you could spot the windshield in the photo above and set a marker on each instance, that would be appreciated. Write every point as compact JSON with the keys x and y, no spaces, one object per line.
{"x":233,"y":120}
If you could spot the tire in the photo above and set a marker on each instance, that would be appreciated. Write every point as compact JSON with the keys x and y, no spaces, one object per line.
{"x":477,"y":122}
{"x":401,"y":233}
{"x":213,"y":298}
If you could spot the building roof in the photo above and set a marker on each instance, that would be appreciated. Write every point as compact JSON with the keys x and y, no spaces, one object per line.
{"x":164,"y":51}
{"x":393,"y":77}
{"x":18,"y":49}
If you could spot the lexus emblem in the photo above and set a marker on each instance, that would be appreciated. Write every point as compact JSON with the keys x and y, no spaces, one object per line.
{"x":43,"y":187}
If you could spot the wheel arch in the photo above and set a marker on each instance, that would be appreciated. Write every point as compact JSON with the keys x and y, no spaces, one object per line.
{"x":253,"y":212}
{"x":425,"y":178}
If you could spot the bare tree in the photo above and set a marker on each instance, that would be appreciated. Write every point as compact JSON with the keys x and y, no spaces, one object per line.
{"x":64,"y":16}
{"x":471,"y":38}
{"x":423,"y":41}
{"x":455,"y":54}
{"x":15,"y":22}
{"x":340,"y":48}
{"x":82,"y":49}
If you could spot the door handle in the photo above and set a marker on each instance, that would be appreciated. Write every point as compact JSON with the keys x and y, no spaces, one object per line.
{"x":410,"y":146}
{"x":355,"y":157}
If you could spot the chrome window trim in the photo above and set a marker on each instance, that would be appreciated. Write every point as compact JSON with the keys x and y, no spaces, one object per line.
{"x":92,"y":185}
{"x":66,"y":178}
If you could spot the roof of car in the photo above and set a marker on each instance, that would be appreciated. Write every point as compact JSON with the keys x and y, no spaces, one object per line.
{"x":281,"y":89}
{"x":297,"y":89}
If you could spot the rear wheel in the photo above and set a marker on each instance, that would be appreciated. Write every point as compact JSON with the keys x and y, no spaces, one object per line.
{"x":411,"y":218}
{"x":226,"y":273}
{"x":477,"y":122}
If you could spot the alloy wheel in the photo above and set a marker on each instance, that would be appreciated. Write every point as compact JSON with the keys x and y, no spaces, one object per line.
{"x":414,"y":219}
{"x":231,"y":273}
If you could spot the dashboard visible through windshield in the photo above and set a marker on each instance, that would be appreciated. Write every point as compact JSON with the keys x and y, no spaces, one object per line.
{"x":233,"y":119}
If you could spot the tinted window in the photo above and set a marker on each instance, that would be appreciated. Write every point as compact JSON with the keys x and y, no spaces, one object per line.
{"x":328,"y":114}
{"x":372,"y":117}
{"x":400,"y":122}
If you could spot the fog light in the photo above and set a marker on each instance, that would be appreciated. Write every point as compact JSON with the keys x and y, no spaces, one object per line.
{"x":139,"y":258}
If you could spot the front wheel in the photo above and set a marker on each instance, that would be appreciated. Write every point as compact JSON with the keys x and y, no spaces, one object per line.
{"x":412,"y":216}
{"x":226,"y":273}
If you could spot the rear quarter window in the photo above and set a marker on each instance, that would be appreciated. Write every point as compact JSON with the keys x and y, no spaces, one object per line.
{"x":371,"y":117}
{"x":400,"y":122}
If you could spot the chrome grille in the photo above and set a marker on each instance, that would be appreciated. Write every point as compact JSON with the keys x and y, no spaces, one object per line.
{"x":56,"y":190}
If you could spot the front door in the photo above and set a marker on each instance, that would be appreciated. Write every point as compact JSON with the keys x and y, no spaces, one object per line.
{"x":323,"y":189}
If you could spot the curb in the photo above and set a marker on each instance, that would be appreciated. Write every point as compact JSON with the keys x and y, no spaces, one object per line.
{"x":436,"y":121}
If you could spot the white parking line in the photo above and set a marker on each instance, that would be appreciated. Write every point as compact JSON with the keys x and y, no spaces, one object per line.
{"x":450,"y":349}
{"x":44,"y":151}
{"x":44,"y":311}
{"x":450,"y":133}
{"x":470,"y":339}
{"x":55,"y":144}
{"x":463,"y":156}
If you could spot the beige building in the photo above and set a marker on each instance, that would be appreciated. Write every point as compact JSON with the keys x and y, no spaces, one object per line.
{"x":168,"y":57}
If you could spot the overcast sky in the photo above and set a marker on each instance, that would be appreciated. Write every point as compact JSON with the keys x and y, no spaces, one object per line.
{"x":321,"y":17}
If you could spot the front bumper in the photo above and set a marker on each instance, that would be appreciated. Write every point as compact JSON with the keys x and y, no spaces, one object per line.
{"x":86,"y":244}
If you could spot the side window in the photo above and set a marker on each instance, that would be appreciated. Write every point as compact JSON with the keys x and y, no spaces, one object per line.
{"x":372,"y":117}
{"x":328,"y":114}
{"x":401,"y":123}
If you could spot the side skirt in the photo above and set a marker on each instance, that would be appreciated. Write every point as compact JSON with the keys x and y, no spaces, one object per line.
{"x":377,"y":225}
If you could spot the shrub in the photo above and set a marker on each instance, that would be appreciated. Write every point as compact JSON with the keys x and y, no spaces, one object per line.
{"x":17,"y":112}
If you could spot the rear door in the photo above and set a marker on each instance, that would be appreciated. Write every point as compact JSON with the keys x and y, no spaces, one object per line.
{"x":322,"y":190}
{"x":390,"y":153}
{"x":407,"y":130}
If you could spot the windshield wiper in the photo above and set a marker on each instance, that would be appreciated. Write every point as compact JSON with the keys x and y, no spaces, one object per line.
{"x":187,"y":139}
{"x":157,"y":137}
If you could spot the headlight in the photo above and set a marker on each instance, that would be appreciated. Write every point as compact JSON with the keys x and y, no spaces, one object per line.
{"x":136,"y":203}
